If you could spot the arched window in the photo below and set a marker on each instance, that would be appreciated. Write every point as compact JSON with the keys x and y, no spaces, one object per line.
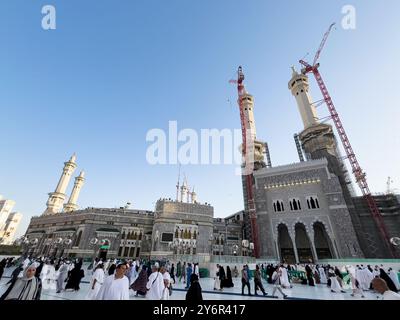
{"x":312,"y":202}
{"x":176,"y":233}
{"x":298,"y":203}
{"x":274,"y":206}
{"x":295,"y":205}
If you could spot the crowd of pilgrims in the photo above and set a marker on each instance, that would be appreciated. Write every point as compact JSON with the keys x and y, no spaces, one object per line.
{"x":281,"y":276}
{"x":110,"y":279}
{"x":113,"y":279}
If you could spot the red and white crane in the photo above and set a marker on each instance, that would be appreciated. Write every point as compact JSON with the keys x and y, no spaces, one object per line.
{"x":359,"y":174}
{"x":248,"y":176}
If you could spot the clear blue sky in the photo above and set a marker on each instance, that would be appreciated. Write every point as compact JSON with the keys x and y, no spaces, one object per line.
{"x":112,"y":70}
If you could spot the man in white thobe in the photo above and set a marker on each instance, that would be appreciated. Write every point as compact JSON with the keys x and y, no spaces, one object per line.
{"x":167,"y":283}
{"x":155,"y":284}
{"x":116,"y":286}
{"x":322,"y":275}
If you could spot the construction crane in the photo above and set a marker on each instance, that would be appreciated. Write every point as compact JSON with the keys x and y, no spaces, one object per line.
{"x":359,"y":174}
{"x":248,"y":177}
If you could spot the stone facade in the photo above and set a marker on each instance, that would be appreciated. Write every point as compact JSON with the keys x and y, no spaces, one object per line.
{"x":174,"y":231}
{"x":300,"y":197}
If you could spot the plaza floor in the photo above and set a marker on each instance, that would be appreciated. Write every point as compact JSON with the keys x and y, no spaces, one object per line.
{"x":319,"y":292}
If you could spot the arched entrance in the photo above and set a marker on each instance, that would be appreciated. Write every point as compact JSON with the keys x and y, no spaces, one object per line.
{"x":322,"y":242}
{"x":303,"y":244}
{"x":285,"y":245}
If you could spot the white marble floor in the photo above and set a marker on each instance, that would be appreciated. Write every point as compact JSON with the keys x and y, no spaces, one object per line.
{"x":319,"y":292}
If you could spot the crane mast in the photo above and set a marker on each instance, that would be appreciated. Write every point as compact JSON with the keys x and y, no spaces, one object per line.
{"x":248,"y":177}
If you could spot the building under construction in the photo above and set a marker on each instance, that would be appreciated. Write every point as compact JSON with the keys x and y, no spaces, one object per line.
{"x":309,"y":210}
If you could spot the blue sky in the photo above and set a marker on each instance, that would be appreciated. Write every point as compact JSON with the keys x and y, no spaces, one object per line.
{"x":112,"y":70}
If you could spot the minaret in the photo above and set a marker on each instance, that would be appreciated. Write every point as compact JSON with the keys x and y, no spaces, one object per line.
{"x":248,"y":111}
{"x":184,"y":191}
{"x":318,"y":141}
{"x":250,"y":124}
{"x":299,"y":87}
{"x":71,"y":205}
{"x":56,"y":198}
{"x":194,"y":196}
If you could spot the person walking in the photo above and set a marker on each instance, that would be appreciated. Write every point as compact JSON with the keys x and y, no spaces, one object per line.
{"x":276,"y":281}
{"x":15,"y":274}
{"x":75,"y":276}
{"x":172,"y":272}
{"x":189,"y":271}
{"x":257,"y":282}
{"x":245,"y":280}
{"x":155,"y":284}
{"x":115,"y":286}
{"x":217,"y":282}
{"x":96,"y":282}
{"x":62,"y":275}
{"x":139,"y":285}
{"x":183,"y":273}
{"x":194,"y":294}
{"x":167,"y":283}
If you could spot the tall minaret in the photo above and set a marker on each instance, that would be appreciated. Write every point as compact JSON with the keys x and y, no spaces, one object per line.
{"x":248,"y":111}
{"x":250,"y":125}
{"x":299,"y":87}
{"x":71,"y":205}
{"x":56,"y":198}
{"x":318,"y":141}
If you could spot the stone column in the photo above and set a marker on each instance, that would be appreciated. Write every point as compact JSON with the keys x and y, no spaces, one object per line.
{"x":278,"y":254}
{"x":293,"y":239}
{"x":313,"y":250}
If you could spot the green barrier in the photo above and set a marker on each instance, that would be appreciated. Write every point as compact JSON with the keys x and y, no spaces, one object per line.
{"x":204,"y":273}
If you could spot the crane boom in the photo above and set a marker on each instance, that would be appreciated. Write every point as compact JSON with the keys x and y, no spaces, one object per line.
{"x":321,"y":46}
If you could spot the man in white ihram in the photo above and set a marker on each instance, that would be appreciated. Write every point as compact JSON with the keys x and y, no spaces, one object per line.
{"x":155,"y":284}
{"x":116,"y":286}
